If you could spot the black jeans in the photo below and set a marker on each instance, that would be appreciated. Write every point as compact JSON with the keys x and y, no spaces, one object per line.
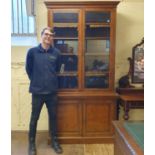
{"x":37,"y":103}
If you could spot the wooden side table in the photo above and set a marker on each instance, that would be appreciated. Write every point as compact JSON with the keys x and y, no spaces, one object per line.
{"x":130,"y":98}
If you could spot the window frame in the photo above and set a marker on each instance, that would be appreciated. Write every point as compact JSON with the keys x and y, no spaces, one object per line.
{"x":20,"y":17}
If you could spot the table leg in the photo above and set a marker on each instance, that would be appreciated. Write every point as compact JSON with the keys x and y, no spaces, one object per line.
{"x":126,"y":111}
{"x":118,"y":108}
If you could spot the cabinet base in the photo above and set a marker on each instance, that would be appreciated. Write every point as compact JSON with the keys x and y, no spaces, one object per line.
{"x":81,"y":140}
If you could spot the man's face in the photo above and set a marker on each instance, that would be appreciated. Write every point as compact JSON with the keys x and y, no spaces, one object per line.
{"x":47,"y":37}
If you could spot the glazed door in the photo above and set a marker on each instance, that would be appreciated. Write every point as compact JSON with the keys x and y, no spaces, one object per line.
{"x":97,"y":49}
{"x":66,"y":25}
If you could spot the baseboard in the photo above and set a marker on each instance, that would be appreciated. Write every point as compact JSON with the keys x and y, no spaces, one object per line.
{"x":13,"y":132}
{"x":66,"y":140}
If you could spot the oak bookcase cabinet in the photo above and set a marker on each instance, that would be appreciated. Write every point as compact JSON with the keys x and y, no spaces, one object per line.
{"x":85,"y":35}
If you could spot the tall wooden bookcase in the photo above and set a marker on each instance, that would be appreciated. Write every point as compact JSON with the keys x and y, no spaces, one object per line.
{"x":85,"y":35}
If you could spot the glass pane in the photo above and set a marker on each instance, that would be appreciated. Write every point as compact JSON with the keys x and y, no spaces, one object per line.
{"x":14,"y":16}
{"x":66,"y":32}
{"x":66,"y":24}
{"x":68,"y":81}
{"x":95,"y":46}
{"x":97,"y":31}
{"x":98,"y":63}
{"x":65,"y":17}
{"x":97,"y":17}
{"x":68,"y":63}
{"x":31,"y":25}
{"x":97,"y":49}
{"x":66,"y":40}
{"x":96,"y":81}
{"x":67,"y":46}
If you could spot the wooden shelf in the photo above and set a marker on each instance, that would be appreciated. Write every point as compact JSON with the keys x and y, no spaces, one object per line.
{"x":97,"y":38}
{"x":66,"y":38}
{"x":93,"y":25}
{"x":66,"y":25}
{"x":97,"y":54}
{"x":69,"y":54}
{"x":96,"y":73}
{"x":65,"y":73}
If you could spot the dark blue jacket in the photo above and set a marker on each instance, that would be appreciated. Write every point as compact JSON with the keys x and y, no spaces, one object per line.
{"x":41,"y":68}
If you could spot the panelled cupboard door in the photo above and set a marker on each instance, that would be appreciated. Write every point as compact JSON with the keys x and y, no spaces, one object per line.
{"x":98,"y":116}
{"x":69,"y":118}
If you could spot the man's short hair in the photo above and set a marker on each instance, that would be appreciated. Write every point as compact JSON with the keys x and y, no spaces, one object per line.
{"x":47,"y":28}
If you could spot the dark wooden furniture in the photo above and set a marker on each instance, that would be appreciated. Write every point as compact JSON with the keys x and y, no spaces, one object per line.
{"x":85,"y":35}
{"x":130,"y":98}
{"x":125,"y":142}
{"x":137,"y":74}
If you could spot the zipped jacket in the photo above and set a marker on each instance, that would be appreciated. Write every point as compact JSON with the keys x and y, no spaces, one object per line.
{"x":41,"y":67}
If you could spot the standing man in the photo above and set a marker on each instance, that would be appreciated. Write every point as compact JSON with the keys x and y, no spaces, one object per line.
{"x":41,"y":66}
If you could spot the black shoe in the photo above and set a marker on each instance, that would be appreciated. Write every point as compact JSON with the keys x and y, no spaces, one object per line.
{"x":32,"y":148}
{"x":57,"y":148}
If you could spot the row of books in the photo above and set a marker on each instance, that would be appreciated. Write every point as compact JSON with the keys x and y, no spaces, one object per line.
{"x":68,"y":81}
{"x":90,"y":31}
{"x":90,"y":82}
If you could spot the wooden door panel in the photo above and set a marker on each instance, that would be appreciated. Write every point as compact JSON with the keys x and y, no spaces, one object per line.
{"x":98,"y":117}
{"x":69,"y":117}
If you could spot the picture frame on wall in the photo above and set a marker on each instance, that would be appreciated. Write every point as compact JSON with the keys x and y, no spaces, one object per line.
{"x":138,"y":63}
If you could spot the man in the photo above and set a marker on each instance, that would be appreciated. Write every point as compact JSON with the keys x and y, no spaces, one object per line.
{"x":41,"y":66}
